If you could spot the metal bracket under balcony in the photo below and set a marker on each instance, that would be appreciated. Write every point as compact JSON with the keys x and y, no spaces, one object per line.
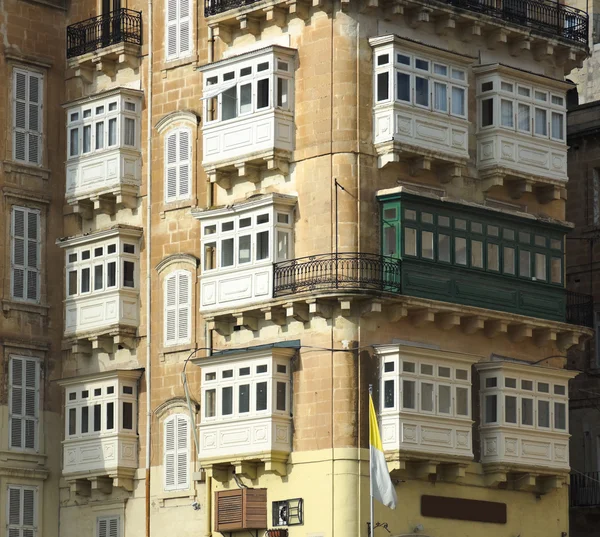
{"x":105,"y":43}
{"x":108,"y":340}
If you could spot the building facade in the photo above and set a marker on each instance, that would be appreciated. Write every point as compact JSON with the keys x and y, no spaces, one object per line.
{"x":270,"y":206}
{"x":32,"y":185}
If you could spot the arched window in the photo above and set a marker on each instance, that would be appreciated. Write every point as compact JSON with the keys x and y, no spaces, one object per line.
{"x":177,"y":452}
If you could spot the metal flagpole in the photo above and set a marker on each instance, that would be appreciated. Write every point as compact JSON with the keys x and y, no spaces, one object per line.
{"x":370,"y":466}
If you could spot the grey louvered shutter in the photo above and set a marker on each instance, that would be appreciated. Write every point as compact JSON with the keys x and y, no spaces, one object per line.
{"x":30,"y":414}
{"x":21,"y":511}
{"x":27,"y":116}
{"x":25,"y":253}
{"x":33,"y":245}
{"x":16,"y":402}
{"x":18,"y":253}
{"x":24,"y":400}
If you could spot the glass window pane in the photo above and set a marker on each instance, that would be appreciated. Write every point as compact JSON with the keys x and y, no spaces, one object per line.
{"x":426,"y":369}
{"x":229,"y":103}
{"x":410,"y":241}
{"x":227,"y":253}
{"x":541,"y":127}
{"x":443,"y":221}
{"x":421,"y":91}
{"x":127,"y":416}
{"x":458,"y":101}
{"x":282,"y":93}
{"x":389,"y":241}
{"x":460,"y":250}
{"x":73,"y":142}
{"x":98,"y":269}
{"x":128,"y":273}
{"x":210,"y":403}
{"x":244,"y":398}
{"x":427,"y":244}
{"x":426,"y":397}
{"x":262,"y":245}
{"x":477,"y":254}
{"x":383,"y":86}
{"x":244,"y":251}
{"x":421,"y":64}
{"x":493,"y":257}
{"x":110,"y":416}
{"x":227,"y":400}
{"x":524,"y":117}
{"x":129,"y":134}
{"x":540,"y":267}
{"x":87,"y":138}
{"x":558,"y":126}
{"x":444,"y":372}
{"x":85,"y":280}
{"x":408,"y":367}
{"x":440,"y":97}
{"x":556,"y":267}
{"x":99,"y":135}
{"x":408,"y":394}
{"x":487,"y":112}
{"x":210,"y":256}
{"x":245,"y":98}
{"x":72,"y":282}
{"x":72,"y":421}
{"x":509,"y":260}
{"x":283,"y":246}
{"x":462,"y":401}
{"x":112,"y":131}
{"x":111,"y":274}
{"x":444,"y":248}
{"x":543,"y":413}
{"x":491,"y":409}
{"x":560,"y":416}
{"x":506,"y":113}
{"x":459,"y":223}
{"x":388,"y":394}
{"x":281,"y":396}
{"x":444,"y":399}
{"x":97,"y":418}
{"x":510,"y":409}
{"x":524,"y":264}
{"x":526,"y":411}
{"x":403,"y":87}
{"x":462,"y":374}
{"x":85,"y":419}
{"x":261,"y":396}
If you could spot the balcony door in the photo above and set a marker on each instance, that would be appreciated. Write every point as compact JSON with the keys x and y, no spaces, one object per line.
{"x":111,"y":22}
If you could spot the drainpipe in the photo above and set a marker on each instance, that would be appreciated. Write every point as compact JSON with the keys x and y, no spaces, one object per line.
{"x":148,"y":233}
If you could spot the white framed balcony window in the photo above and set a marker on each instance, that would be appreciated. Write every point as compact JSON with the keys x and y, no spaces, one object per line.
{"x":249,"y":86}
{"x":527,"y":109}
{"x":102,"y":125}
{"x":103,"y":266}
{"x":524,"y":402}
{"x":419,"y":80}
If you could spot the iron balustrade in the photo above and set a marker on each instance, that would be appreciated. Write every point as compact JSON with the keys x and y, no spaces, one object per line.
{"x":545,"y":17}
{"x":585,"y":489}
{"x":349,"y":271}
{"x":119,"y":26}
{"x":580,"y":309}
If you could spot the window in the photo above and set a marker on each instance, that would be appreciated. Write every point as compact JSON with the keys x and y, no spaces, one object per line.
{"x":25,"y":254}
{"x":24,"y":401}
{"x":177,"y":165}
{"x":108,"y":526}
{"x":179,"y":29}
{"x":102,"y":266}
{"x":410,"y":385}
{"x":101,"y":407}
{"x":177,"y":452}
{"x":178,"y":307}
{"x":526,"y":110}
{"x":106,"y":124}
{"x":247,"y":87}
{"x":510,"y":399}
{"x":28,"y":88}
{"x":21,"y":516}
{"x":500,"y":246}
{"x":256,"y":236}
{"x":416,"y":80}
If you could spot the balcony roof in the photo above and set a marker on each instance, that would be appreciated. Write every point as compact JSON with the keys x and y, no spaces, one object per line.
{"x":128,"y":374}
{"x":273,"y":49}
{"x":285,"y":349}
{"x":120,"y":90}
{"x":534,"y":78}
{"x":118,"y":230}
{"x":253,"y":202}
{"x":422,"y":47}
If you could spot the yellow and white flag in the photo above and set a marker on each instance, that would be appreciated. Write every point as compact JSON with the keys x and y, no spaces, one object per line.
{"x":382,"y":488}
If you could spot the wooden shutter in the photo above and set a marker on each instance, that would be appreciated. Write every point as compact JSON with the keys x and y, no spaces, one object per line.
{"x":185,"y":30}
{"x":241,"y":509}
{"x":25,"y":253}
{"x":27,"y":116}
{"x":21,"y":511}
{"x":172,"y":29}
{"x":171,"y":167}
{"x":24,"y":397}
{"x":171,"y":310}
{"x":177,"y":454}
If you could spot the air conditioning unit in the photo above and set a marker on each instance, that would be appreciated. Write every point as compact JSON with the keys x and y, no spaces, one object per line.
{"x":241,"y":509}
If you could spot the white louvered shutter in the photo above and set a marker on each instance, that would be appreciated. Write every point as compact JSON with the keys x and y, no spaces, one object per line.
{"x":107,"y":527}
{"x":21,"y":511}
{"x":171,"y":167}
{"x":183,"y":307}
{"x":171,"y":310}
{"x":25,"y":253}
{"x":185,"y":32}
{"x":27,"y":116}
{"x":24,"y":396}
{"x":184,"y":165}
{"x":172,"y":29}
{"x":177,"y":454}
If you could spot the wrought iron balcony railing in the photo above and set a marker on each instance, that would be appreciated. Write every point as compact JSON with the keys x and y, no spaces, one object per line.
{"x":545,"y":17}
{"x":119,"y":26}
{"x":580,"y":309}
{"x":350,"y":271}
{"x":585,"y":489}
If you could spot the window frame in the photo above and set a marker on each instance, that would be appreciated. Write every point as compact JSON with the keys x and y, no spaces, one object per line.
{"x":21,"y":527}
{"x":177,"y":451}
{"x":177,"y":307}
{"x":182,"y":189}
